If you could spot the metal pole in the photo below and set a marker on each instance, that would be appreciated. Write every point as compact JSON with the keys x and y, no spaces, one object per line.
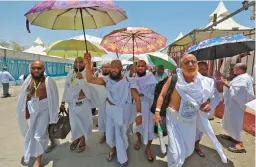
{"x":81,"y":13}
{"x":245,"y":7}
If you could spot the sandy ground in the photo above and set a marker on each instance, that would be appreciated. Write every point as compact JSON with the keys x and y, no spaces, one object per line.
{"x":11,"y":146}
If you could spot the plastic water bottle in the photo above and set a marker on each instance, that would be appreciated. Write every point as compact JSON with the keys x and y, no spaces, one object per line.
{"x":161,"y":139}
{"x":134,"y":127}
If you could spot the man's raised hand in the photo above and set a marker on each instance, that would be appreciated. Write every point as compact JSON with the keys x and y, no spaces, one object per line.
{"x":87,"y":58}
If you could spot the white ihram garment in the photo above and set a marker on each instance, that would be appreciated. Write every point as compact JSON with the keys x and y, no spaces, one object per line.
{"x":182,"y":125}
{"x":119,"y":93}
{"x":80,"y":115}
{"x":42,"y":113}
{"x":235,"y":98}
{"x":146,"y":86}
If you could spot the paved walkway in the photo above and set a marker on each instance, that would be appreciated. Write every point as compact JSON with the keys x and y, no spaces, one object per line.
{"x":11,"y":146}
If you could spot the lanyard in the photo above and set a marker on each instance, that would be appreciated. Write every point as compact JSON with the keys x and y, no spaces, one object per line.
{"x":36,"y":87}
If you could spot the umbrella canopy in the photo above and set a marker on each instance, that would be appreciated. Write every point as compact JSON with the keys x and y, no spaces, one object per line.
{"x":133,"y":40}
{"x":158,"y":58}
{"x":73,"y":48}
{"x":65,"y":15}
{"x":75,"y":15}
{"x":220,"y":47}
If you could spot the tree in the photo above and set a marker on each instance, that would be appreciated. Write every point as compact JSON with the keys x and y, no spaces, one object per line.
{"x":5,"y":44}
{"x":14,"y":45}
{"x":17,"y":47}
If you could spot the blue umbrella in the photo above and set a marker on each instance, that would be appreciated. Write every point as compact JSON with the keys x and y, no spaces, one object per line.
{"x":220,"y":47}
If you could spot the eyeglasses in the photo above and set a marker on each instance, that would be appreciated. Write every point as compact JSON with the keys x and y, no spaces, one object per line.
{"x":37,"y":68}
{"x":193,"y":62}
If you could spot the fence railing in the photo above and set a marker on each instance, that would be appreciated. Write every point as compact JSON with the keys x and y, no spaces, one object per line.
{"x":17,"y":67}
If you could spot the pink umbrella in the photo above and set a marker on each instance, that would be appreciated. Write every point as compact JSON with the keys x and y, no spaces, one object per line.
{"x":75,"y":14}
{"x":133,"y":40}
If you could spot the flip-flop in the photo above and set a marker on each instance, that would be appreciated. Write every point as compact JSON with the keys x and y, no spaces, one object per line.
{"x":200,"y":153}
{"x":236,"y":150}
{"x":110,"y":156}
{"x":102,"y":140}
{"x":226,"y":137}
{"x":50,"y":148}
{"x":124,"y":164}
{"x":81,"y":148}
{"x":149,"y":159}
{"x":137,"y":146}
{"x":74,"y":144}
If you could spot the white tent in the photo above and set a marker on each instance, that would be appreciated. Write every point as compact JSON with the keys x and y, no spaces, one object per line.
{"x":221,"y":11}
{"x":179,"y":36}
{"x":1,"y":47}
{"x":227,"y":27}
{"x":37,"y":48}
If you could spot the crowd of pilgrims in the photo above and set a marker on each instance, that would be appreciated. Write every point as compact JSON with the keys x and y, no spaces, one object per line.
{"x":182,"y":101}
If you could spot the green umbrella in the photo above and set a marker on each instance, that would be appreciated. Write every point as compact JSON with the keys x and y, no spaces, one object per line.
{"x":158,"y":58}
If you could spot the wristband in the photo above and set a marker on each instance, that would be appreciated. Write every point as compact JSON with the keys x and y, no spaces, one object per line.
{"x":158,"y":109}
{"x":138,"y":114}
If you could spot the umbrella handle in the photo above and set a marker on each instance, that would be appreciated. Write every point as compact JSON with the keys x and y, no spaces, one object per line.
{"x":85,"y":42}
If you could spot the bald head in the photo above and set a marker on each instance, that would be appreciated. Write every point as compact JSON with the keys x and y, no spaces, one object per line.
{"x":115,"y":70}
{"x":116,"y":63}
{"x":240,"y":68}
{"x":189,"y":65}
{"x":37,"y":69}
{"x":38,"y":62}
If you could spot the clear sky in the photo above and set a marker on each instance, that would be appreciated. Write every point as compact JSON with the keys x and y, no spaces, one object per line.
{"x":167,"y":18}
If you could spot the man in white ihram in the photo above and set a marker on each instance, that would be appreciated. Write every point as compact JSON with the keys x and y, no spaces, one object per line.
{"x":120,"y":91}
{"x":203,"y":70}
{"x":146,"y":83}
{"x":102,"y":110}
{"x":186,"y":112}
{"x":236,"y":94}
{"x":77,"y":94}
{"x":38,"y":101}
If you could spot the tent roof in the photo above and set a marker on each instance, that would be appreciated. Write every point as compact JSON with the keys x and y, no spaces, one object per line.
{"x":179,"y":36}
{"x":38,"y":41}
{"x":1,"y":47}
{"x":228,"y":24}
{"x":36,"y":50}
{"x":227,"y":27}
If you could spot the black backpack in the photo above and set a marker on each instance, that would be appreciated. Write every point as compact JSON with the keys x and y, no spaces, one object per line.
{"x":157,"y":92}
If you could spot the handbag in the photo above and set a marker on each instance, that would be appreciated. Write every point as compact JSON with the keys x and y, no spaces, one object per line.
{"x":61,"y":129}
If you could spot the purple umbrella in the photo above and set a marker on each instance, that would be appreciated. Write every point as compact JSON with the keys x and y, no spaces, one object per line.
{"x":75,"y":15}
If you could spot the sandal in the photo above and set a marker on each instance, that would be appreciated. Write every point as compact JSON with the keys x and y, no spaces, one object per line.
{"x":74,"y":144}
{"x":81,"y":148}
{"x":236,"y":150}
{"x":124,"y":164}
{"x":102,"y":140}
{"x":137,"y":146}
{"x":50,"y":148}
{"x":110,"y":156}
{"x":150,"y":159}
{"x":200,"y":153}
{"x":226,"y":137}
